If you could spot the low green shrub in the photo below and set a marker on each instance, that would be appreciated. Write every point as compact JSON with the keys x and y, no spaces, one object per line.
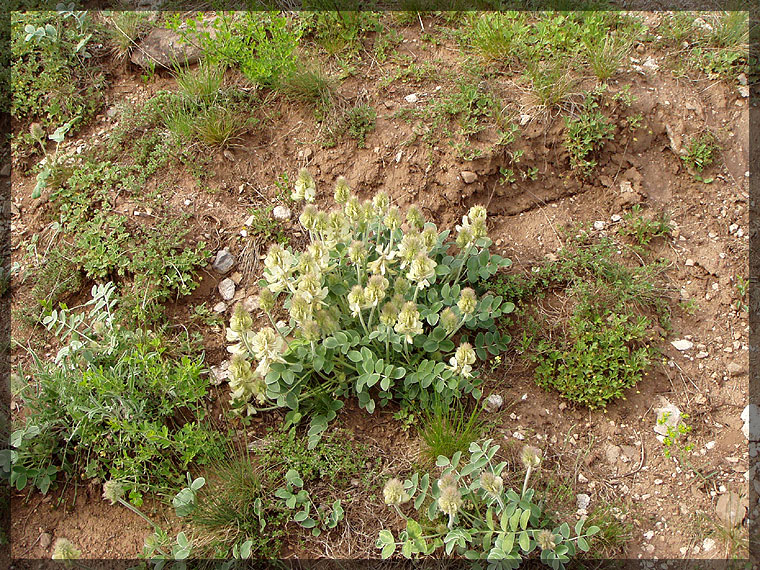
{"x":468,"y":512}
{"x":599,"y":343}
{"x":54,"y":80}
{"x":586,"y":134}
{"x":598,"y":361}
{"x":373,"y":312}
{"x":262,"y":44}
{"x":115,"y":404}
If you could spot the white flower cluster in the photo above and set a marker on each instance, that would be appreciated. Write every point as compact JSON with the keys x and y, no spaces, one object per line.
{"x":359,"y":246}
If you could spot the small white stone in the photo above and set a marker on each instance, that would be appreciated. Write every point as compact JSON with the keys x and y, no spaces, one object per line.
{"x":493,"y":403}
{"x":710,"y":444}
{"x":599,"y":225}
{"x":615,"y":217}
{"x":524,"y":119}
{"x":582,"y":501}
{"x":682,"y":344}
{"x":227,"y":289}
{"x":412,"y":98}
{"x":188,"y":202}
{"x":581,"y":478}
{"x":281,"y":213}
{"x":689,"y":262}
{"x":220,"y":307}
{"x":517,"y":435}
{"x":648,"y":535}
{"x":708,"y":544}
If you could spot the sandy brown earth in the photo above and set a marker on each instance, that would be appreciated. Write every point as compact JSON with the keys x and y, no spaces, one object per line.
{"x":612,"y":455}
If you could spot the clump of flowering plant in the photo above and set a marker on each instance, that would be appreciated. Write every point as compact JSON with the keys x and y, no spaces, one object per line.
{"x":380,"y":305}
{"x":470,"y":513}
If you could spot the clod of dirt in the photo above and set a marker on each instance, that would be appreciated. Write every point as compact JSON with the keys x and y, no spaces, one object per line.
{"x":468,"y":176}
{"x":732,"y":508}
{"x":736,"y":368}
{"x":45,"y":540}
{"x":227,"y":289}
{"x":224,"y":261}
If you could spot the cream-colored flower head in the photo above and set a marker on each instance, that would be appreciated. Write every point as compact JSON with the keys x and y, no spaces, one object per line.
{"x":450,"y":500}
{"x":342,"y":190}
{"x":389,"y":313}
{"x":411,"y":245}
{"x":421,"y":271}
{"x":415,"y":218}
{"x":308,"y":217}
{"x":356,"y":299}
{"x":477,"y":213}
{"x":492,"y":484}
{"x":468,"y":300}
{"x":449,"y":320}
{"x":463,"y":359}
{"x":479,"y":229}
{"x":241,"y":320}
{"x":375,"y":290}
{"x":464,"y":236}
{"x":394,"y":493}
{"x":545,"y":540}
{"x":429,"y":237}
{"x":381,"y":203}
{"x":530,"y":457}
{"x":320,"y":253}
{"x":64,"y":549}
{"x":408,"y":322}
{"x":301,"y":306}
{"x":266,"y":299}
{"x":353,"y":210}
{"x":112,"y":491}
{"x":305,"y":187}
{"x":267,"y":344}
{"x":392,"y":218}
{"x":357,"y":252}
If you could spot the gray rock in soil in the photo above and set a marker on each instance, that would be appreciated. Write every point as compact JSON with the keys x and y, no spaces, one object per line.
{"x":582,"y":501}
{"x":493,"y":403}
{"x":220,"y":307}
{"x":45,"y":540}
{"x":224,"y":261}
{"x":736,"y":369}
{"x":227,"y":289}
{"x":667,"y":416}
{"x":164,"y":48}
{"x":5,"y":171}
{"x":731,"y":508}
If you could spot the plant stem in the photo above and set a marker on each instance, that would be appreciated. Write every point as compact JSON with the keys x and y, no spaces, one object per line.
{"x":138,"y":512}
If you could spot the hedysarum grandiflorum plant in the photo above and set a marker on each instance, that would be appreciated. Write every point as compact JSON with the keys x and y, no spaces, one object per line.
{"x":380,"y":306}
